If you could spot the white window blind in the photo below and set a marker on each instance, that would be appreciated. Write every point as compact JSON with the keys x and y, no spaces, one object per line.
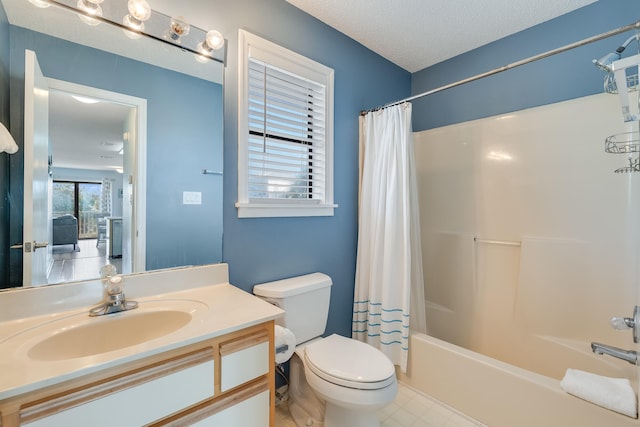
{"x":285,"y":132}
{"x":287,"y":136}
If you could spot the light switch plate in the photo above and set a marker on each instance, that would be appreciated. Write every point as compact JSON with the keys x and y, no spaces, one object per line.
{"x":191,"y":198}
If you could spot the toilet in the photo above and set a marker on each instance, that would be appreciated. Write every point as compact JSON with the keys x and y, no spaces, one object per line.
{"x":335,"y":380}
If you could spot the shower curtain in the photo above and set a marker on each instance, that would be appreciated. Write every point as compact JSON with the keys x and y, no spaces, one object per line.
{"x":105,"y":197}
{"x":389,"y":285}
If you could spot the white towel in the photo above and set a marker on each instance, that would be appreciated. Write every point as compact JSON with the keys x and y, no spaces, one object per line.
{"x":611,"y":393}
{"x":7,"y":142}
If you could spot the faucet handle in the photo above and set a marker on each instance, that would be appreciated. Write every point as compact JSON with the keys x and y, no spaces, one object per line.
{"x":622,"y":323}
{"x":108,"y":270}
{"x":114,"y":285}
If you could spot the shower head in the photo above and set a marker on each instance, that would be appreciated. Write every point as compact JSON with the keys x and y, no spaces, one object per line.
{"x":604,"y":63}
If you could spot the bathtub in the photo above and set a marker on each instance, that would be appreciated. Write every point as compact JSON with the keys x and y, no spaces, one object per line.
{"x":496,"y":393}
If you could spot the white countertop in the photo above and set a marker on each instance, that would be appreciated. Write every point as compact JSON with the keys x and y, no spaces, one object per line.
{"x":218,"y":309}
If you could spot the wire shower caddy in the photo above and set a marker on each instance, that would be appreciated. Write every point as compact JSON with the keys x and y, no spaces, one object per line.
{"x":625,"y":73}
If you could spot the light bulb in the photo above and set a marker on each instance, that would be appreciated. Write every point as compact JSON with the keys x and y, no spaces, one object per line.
{"x":139,"y":10}
{"x":134,"y":24}
{"x":92,"y":7}
{"x":43,"y":4}
{"x":214,"y":39}
{"x":179,"y":27}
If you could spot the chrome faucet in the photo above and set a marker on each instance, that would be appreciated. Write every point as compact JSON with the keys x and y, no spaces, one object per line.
{"x":115,"y":301}
{"x":628,"y":355}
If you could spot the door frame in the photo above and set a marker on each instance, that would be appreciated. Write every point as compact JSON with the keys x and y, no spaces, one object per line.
{"x":139,"y":161}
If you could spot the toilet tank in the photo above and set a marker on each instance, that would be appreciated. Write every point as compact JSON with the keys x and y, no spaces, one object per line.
{"x":305,"y":301}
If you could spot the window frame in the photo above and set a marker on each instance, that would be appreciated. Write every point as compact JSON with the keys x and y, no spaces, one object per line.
{"x":259,"y":49}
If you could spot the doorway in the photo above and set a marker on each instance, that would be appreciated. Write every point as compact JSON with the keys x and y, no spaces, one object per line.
{"x":98,"y":168}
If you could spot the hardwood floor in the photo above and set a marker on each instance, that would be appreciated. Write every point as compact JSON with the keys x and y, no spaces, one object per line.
{"x":84,"y":263}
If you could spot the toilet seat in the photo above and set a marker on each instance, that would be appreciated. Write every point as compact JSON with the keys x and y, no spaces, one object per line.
{"x":349,"y":363}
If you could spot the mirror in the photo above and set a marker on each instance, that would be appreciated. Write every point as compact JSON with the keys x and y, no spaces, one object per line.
{"x":177,"y":207}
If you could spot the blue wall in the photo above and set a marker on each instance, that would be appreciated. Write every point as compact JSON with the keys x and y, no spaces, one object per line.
{"x":561,"y":77}
{"x":179,"y":143}
{"x":260,"y":250}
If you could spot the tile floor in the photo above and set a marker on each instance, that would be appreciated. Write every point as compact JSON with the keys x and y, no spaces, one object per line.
{"x":410,"y":409}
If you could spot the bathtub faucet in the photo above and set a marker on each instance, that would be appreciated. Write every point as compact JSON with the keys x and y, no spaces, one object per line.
{"x":628,"y":355}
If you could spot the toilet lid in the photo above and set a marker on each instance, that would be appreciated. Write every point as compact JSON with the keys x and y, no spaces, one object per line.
{"x":350,"y":363}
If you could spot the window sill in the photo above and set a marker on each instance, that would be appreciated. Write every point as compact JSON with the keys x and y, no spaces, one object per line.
{"x":271,"y":210}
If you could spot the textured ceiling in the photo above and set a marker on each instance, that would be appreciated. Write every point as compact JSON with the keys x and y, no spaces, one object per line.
{"x":415,"y":34}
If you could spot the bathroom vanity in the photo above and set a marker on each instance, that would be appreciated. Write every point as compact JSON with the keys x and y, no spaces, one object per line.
{"x":198,"y":354}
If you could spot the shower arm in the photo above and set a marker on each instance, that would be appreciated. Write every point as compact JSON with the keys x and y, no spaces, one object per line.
{"x":604,"y":63}
{"x":619,"y":70}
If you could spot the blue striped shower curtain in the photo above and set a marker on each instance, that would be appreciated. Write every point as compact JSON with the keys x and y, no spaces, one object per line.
{"x":389,"y":294}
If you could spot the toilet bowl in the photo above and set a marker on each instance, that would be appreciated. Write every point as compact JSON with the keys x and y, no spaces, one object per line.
{"x":336,"y":380}
{"x":353,"y":378}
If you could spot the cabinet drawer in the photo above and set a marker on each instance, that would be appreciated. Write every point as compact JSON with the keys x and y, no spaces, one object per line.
{"x":133,"y":399}
{"x":243,"y":359}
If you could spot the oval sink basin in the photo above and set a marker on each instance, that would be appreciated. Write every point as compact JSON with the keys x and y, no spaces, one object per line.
{"x":108,"y":333}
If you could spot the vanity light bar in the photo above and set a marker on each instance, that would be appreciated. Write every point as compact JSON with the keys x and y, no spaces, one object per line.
{"x":210,"y":45}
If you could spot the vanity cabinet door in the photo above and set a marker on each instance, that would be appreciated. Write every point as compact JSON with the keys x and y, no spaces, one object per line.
{"x":246,"y":407}
{"x":243,"y":359}
{"x":253,"y":412}
{"x":134,"y":399}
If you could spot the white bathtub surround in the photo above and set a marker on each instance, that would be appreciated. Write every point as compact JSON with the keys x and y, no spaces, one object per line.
{"x":611,"y":393}
{"x":541,"y":178}
{"x":389,"y":266}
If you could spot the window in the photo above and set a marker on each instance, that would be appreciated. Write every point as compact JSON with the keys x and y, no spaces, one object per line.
{"x":285,"y":135}
{"x":82,"y":200}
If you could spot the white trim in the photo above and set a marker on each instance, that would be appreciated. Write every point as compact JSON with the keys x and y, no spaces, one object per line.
{"x":254,"y":210}
{"x":140,"y":173}
{"x":243,"y":118}
{"x":252,"y":46}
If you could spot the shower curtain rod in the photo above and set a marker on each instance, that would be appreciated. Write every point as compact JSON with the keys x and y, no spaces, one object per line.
{"x":624,"y":29}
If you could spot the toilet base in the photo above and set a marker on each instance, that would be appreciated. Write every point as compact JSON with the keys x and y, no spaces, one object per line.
{"x":337,"y":416}
{"x":306,"y":409}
